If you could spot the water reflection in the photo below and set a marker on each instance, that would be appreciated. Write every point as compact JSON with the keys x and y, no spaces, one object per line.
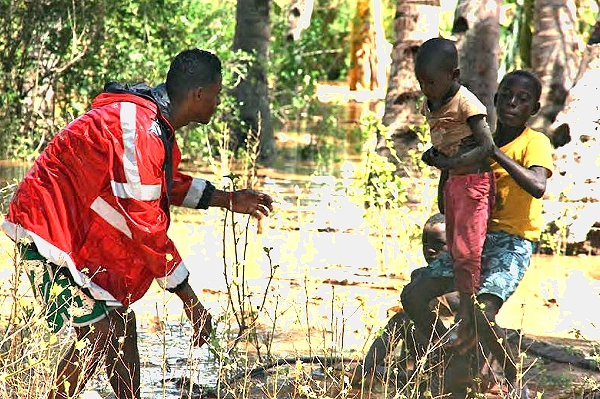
{"x":170,"y":368}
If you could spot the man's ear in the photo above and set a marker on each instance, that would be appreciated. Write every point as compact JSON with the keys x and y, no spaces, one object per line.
{"x":536,"y":108}
{"x":198,"y":93}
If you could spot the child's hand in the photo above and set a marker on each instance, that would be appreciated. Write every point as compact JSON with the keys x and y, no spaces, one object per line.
{"x":433,"y":157}
{"x":428,"y":156}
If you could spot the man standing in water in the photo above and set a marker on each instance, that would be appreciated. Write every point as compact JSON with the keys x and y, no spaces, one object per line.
{"x":92,"y":214}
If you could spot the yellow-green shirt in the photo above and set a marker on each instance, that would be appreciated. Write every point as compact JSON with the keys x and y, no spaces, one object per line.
{"x":516,"y":211}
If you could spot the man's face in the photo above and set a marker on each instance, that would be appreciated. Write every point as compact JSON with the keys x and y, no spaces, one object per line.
{"x":434,"y":241}
{"x":207,"y":102}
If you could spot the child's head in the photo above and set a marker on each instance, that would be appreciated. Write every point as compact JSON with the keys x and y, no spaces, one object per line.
{"x":517,"y":98}
{"x":434,"y":237}
{"x":436,"y":67}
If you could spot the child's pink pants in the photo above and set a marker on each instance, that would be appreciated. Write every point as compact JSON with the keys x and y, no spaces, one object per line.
{"x":468,"y":203}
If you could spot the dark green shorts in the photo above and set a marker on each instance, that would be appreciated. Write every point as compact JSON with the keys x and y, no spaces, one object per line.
{"x":64,"y":301}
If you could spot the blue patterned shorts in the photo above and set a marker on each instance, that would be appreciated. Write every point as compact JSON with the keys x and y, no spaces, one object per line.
{"x":504,"y":261}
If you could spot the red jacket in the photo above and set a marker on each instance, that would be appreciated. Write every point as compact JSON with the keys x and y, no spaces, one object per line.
{"x":96,"y":200}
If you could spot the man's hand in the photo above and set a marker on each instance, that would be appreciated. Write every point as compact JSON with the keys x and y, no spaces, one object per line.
{"x":202,"y":323}
{"x":251,"y":202}
{"x":199,"y":317}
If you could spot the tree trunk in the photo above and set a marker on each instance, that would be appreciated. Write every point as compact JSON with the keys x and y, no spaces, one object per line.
{"x":554,"y":56}
{"x":477,"y":28}
{"x":580,"y":112}
{"x":252,"y":35}
{"x":367,"y":47}
{"x":415,"y":22}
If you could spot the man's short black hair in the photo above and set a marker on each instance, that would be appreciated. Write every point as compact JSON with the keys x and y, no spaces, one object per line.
{"x":191,"y":69}
{"x":439,"y":52}
{"x":535,"y":82}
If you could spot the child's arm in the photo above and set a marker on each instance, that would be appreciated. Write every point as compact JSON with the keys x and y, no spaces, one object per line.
{"x":440,"y":196}
{"x":532,"y":180}
{"x":474,"y":156}
{"x":485,"y":143}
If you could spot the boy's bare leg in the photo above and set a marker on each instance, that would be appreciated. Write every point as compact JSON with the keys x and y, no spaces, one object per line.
{"x":77,"y":366}
{"x":493,"y":337}
{"x":416,"y":297}
{"x":122,"y":357}
{"x":462,"y":338}
{"x":384,"y":344}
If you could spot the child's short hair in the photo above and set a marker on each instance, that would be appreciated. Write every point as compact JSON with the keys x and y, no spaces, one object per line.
{"x":436,"y":218}
{"x":536,"y":84}
{"x":440,"y":51}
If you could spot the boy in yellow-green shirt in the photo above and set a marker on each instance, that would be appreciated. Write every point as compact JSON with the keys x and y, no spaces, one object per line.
{"x":522,"y":162}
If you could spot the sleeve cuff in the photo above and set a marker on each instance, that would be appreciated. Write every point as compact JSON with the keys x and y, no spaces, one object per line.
{"x":175,"y":279}
{"x":207,"y":195}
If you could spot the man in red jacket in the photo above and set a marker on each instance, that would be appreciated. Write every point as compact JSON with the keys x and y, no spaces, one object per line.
{"x":92,"y":214}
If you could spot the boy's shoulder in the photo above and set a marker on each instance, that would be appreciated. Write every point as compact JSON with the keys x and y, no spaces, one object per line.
{"x":469,"y":103}
{"x":530,"y":135}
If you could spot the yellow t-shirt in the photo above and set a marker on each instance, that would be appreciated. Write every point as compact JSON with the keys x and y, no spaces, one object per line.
{"x":516,"y":211}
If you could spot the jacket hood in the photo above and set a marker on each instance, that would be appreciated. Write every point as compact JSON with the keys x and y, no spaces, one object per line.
{"x":140,"y":93}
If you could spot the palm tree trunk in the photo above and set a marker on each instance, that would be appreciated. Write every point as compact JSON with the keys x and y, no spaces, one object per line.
{"x":252,"y":35}
{"x":367,"y":47}
{"x":579,"y":116}
{"x":554,"y":56}
{"x":415,"y":22}
{"x":477,"y":27}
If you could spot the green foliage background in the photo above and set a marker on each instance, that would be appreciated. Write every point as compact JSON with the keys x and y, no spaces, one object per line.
{"x":56,"y":56}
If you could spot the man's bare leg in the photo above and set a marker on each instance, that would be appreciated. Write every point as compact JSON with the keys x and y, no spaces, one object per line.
{"x":78,"y":365}
{"x":122,"y":357}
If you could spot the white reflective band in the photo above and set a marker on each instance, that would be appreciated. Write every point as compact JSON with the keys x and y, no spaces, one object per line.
{"x":194,"y":193}
{"x":147,"y":192}
{"x":177,"y":277}
{"x":111,"y":215}
{"x":133,"y":188}
{"x":60,"y":258}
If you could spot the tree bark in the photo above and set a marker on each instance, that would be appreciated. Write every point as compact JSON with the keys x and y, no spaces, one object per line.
{"x":299,"y":15}
{"x":252,"y":35}
{"x":477,"y":28}
{"x":367,"y":47}
{"x":415,"y":22}
{"x":554,"y":56}
{"x":579,"y":116}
